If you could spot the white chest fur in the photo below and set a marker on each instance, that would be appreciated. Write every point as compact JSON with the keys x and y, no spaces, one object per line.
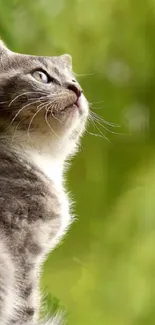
{"x":50,"y":167}
{"x":53,"y":170}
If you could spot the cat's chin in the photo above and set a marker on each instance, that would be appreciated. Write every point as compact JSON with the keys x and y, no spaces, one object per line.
{"x":73,"y":114}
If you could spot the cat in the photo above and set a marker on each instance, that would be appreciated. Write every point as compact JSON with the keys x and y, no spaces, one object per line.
{"x":43,"y":114}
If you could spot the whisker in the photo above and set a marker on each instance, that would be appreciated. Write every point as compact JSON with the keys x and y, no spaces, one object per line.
{"x":53,"y":115}
{"x":20,"y":110}
{"x":113,"y":132}
{"x":52,"y":105}
{"x":57,"y":119}
{"x":49,"y":108}
{"x":4,"y":102}
{"x":38,"y":99}
{"x":98,"y":135}
{"x":23,"y":94}
{"x":34,"y":115}
{"x":32,"y":103}
{"x":94,"y":115}
{"x":110,"y":131}
{"x":92,"y":121}
{"x":49,"y":96}
{"x":16,"y":129}
{"x":95,"y":119}
{"x":101,"y":133}
{"x":98,"y":102}
{"x":83,"y":74}
{"x":96,"y":108}
{"x":46,"y":119}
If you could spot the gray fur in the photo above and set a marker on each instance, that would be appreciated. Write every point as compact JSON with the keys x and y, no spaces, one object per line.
{"x":40,"y":128}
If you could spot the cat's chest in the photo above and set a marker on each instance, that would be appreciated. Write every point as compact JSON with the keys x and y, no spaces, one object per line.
{"x":57,"y":203}
{"x":48,"y":166}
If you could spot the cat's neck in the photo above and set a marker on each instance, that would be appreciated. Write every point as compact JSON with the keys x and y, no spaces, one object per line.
{"x":50,"y":167}
{"x":45,"y":153}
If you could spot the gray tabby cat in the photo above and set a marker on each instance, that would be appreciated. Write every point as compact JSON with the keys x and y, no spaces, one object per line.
{"x":43,"y":113}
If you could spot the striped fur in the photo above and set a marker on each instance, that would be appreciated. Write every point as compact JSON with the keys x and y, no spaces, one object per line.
{"x":40,"y":128}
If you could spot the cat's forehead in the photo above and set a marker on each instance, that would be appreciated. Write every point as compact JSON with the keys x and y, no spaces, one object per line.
{"x":59,"y":65}
{"x":59,"y":62}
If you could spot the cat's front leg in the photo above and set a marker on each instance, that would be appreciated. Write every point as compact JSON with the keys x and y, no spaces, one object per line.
{"x":7,"y":285}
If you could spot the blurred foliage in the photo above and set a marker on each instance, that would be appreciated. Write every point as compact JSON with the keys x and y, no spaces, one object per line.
{"x":104,"y":273}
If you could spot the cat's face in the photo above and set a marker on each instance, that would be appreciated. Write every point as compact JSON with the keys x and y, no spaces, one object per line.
{"x":40,"y":98}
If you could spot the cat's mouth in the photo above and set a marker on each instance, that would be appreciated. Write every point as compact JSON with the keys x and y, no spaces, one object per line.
{"x":70,"y":108}
{"x":74,"y":107}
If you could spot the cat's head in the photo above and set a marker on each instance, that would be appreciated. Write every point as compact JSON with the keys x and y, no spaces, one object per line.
{"x":41,"y":101}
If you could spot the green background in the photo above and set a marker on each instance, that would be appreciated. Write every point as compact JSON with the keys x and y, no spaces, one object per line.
{"x":104,"y":273}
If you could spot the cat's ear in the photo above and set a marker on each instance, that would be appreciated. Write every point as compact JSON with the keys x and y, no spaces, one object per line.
{"x":3,"y":48}
{"x":67,"y":60}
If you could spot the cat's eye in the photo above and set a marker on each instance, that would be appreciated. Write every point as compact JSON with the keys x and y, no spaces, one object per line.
{"x":41,"y":76}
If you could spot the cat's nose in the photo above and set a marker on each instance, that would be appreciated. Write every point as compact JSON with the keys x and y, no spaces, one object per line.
{"x":75,"y":88}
